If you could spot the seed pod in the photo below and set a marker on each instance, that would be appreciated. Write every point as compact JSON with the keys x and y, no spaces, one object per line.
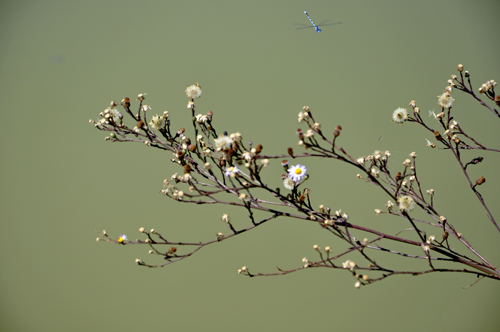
{"x":398,"y":176}
{"x":438,"y":136}
{"x":126,"y":102}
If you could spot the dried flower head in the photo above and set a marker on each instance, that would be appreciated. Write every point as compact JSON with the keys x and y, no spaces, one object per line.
{"x":193,"y":91}
{"x":157,"y":121}
{"x":348,"y":264}
{"x":400,"y":115}
{"x":406,"y":203}
{"x":288,"y":183}
{"x":226,"y":218}
{"x":445,"y":100}
{"x":223,"y":143}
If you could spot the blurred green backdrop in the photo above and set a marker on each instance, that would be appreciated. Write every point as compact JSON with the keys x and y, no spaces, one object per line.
{"x":62,"y":62}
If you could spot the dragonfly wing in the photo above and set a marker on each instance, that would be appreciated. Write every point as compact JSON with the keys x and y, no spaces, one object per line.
{"x":322,"y":25}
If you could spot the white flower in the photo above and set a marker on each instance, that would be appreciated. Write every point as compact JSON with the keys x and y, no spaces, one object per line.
{"x":400,"y":115}
{"x":297,"y":173}
{"x":231,"y":170}
{"x":193,"y":91}
{"x":223,"y":143}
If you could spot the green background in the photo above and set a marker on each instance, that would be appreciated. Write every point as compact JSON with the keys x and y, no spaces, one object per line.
{"x":62,"y":62}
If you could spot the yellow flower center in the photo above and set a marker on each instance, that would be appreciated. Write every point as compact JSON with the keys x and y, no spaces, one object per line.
{"x":298,"y":171}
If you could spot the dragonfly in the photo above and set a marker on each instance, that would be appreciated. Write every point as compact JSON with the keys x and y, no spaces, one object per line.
{"x":316,"y":27}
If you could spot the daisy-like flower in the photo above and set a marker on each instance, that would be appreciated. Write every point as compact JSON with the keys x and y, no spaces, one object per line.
{"x":288,"y":183}
{"x":445,"y":100}
{"x":297,"y":172}
{"x":156,"y":121}
{"x":193,"y":91}
{"x":223,"y":143}
{"x":231,"y":170}
{"x":400,"y":115}
{"x":406,"y":203}
{"x":122,"y":238}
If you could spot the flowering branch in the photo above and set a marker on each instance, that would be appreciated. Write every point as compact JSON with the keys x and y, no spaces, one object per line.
{"x":222,"y":169}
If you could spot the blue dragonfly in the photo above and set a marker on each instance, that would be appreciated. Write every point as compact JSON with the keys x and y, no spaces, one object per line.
{"x":316,"y":27}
